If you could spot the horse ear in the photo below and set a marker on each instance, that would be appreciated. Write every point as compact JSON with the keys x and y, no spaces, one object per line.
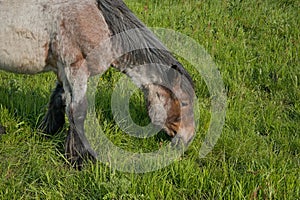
{"x":173,"y":75}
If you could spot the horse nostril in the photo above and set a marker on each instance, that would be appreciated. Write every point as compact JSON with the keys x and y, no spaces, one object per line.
{"x":177,"y":119}
{"x":158,"y":95}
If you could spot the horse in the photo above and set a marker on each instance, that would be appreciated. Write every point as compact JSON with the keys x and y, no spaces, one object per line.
{"x":77,"y":40}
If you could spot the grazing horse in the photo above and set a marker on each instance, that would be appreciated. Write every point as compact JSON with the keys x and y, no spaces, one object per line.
{"x":76,"y":40}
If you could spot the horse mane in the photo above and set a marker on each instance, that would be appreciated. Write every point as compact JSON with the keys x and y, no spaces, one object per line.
{"x":120,"y":18}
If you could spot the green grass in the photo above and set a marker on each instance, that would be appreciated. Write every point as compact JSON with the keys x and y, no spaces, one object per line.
{"x":256,"y":47}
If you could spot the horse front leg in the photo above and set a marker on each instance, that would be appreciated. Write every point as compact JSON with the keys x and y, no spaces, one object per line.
{"x":77,"y":147}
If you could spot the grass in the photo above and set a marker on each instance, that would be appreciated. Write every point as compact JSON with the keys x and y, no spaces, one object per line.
{"x":256,"y":47}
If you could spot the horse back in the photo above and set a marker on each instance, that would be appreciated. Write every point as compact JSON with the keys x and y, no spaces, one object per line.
{"x":37,"y":34}
{"x":24,"y":40}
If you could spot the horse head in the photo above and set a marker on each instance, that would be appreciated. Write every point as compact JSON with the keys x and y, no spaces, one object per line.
{"x":170,"y":105}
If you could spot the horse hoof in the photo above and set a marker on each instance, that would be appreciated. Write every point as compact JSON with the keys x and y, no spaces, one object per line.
{"x":77,"y":161}
{"x":2,"y":130}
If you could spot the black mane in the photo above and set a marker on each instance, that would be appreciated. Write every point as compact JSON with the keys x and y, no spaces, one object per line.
{"x":120,"y":18}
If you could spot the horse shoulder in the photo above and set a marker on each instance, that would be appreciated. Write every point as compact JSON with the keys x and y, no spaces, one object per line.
{"x":82,"y":33}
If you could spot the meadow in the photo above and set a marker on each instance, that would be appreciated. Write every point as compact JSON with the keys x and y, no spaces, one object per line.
{"x":255,"y":45}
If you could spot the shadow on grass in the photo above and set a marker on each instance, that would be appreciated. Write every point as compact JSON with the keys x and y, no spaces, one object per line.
{"x":137,"y":107}
{"x":25,"y":97}
{"x":27,"y":106}
{"x":26,"y":102}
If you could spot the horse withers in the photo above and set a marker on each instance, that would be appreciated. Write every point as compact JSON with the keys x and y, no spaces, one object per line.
{"x":77,"y":40}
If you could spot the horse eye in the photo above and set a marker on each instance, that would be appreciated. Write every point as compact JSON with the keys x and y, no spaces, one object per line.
{"x":183,"y":104}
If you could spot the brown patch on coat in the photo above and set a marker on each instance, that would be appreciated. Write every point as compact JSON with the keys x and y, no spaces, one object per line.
{"x":78,"y":61}
{"x":81,"y":28}
{"x":160,"y":95}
